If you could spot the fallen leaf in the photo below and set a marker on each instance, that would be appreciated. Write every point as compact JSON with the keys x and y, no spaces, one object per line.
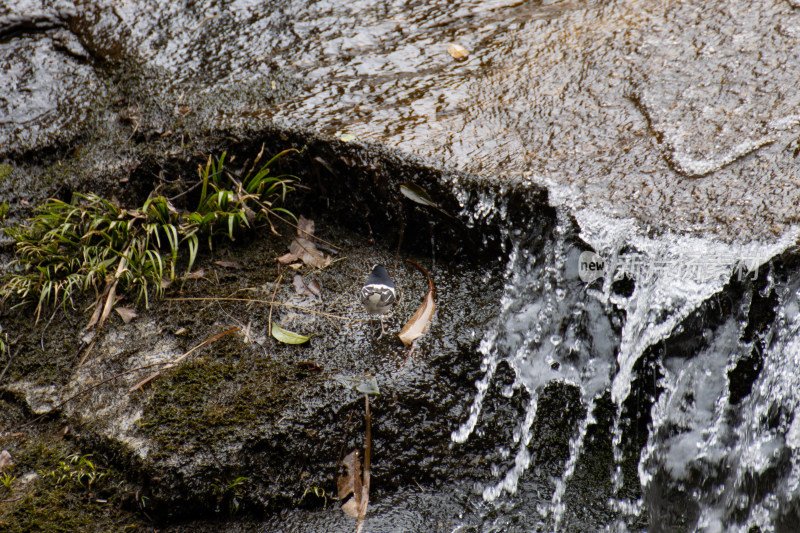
{"x":308,"y":252}
{"x":348,"y":485}
{"x":300,"y":285}
{"x":5,"y":460}
{"x":315,"y":288}
{"x":288,"y":337}
{"x":285,"y":259}
{"x":305,"y":228}
{"x":417,"y":194}
{"x":127,"y":314}
{"x":197,"y":274}
{"x":303,"y":248}
{"x":353,"y":486}
{"x":165,"y":283}
{"x":457,"y":51}
{"x":420,"y":321}
{"x":228,"y":264}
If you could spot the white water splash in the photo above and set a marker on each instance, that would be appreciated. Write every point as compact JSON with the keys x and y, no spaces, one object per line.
{"x":551,"y":328}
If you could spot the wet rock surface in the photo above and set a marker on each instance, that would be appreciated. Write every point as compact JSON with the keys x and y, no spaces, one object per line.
{"x":676,"y":122}
{"x":632,"y":100}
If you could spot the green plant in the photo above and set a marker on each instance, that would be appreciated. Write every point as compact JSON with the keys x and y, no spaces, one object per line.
{"x":233,"y":491}
{"x":91,"y":243}
{"x":3,"y":343}
{"x":77,"y":469}
{"x":6,"y":480}
{"x":319,"y":492}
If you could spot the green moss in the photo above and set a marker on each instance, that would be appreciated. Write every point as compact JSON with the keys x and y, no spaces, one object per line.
{"x":56,"y":487}
{"x":5,"y":171}
{"x":49,"y":508}
{"x":213,"y":398}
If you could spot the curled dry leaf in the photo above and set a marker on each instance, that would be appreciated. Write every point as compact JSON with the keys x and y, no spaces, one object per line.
{"x":353,"y":485}
{"x":457,"y":51}
{"x":349,"y":486}
{"x":305,"y":228}
{"x":419,"y":322}
{"x":5,"y":460}
{"x":127,"y":314}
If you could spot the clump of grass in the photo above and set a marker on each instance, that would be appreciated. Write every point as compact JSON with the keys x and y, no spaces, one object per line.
{"x":94,"y":244}
{"x":79,"y":470}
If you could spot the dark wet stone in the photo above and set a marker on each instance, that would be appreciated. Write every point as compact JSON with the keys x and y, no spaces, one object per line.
{"x":680,"y":116}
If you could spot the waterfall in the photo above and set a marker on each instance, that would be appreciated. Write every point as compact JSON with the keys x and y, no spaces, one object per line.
{"x":555,"y":324}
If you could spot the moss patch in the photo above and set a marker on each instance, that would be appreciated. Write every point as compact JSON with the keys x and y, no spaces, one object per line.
{"x":55,"y":486}
{"x":5,"y":171}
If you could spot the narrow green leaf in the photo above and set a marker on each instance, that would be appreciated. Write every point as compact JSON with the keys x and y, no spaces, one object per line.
{"x":417,"y":194}
{"x":288,"y":337}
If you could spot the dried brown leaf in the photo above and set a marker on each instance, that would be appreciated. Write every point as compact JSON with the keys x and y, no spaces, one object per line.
{"x":349,"y":485}
{"x":126,"y":313}
{"x":421,"y":320}
{"x":315,"y":288}
{"x":5,"y":460}
{"x":308,"y":252}
{"x":309,"y":365}
{"x":285,"y":259}
{"x":228,"y":264}
{"x":300,"y":285}
{"x":197,"y":274}
{"x":305,"y":228}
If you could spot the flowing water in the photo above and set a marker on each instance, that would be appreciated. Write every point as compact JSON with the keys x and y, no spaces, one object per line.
{"x":711,"y":462}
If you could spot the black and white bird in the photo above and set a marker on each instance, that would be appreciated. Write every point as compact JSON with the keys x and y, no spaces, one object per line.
{"x":378,"y":294}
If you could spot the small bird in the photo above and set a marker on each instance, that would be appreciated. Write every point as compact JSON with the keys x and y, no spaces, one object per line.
{"x":377,"y":294}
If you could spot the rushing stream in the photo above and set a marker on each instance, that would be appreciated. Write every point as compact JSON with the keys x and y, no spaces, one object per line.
{"x":734,"y":461}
